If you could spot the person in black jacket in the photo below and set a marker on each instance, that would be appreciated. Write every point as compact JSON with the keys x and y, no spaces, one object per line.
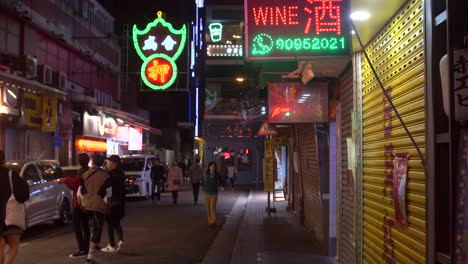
{"x":10,"y":234}
{"x":116,"y":204}
{"x":157,"y":179}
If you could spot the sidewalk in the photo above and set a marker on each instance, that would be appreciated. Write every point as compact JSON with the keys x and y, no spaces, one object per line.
{"x":263,"y":239}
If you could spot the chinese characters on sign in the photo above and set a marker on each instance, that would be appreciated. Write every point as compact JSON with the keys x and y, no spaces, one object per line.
{"x":159,"y":45}
{"x":268,"y":173}
{"x":297,"y":28}
{"x":460,"y":83}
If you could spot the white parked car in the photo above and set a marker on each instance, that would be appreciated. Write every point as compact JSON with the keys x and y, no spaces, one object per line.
{"x":48,"y":200}
{"x":137,"y":169}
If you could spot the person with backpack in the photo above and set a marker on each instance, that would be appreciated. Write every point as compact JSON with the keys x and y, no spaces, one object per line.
{"x":92,"y":196}
{"x":80,"y":217}
{"x":195,"y":174}
{"x":14,"y":192}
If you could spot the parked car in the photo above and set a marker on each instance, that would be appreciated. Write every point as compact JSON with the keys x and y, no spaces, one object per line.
{"x":137,"y":169}
{"x":48,"y":200}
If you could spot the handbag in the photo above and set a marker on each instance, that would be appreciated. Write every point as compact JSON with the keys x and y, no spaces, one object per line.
{"x":15,"y":211}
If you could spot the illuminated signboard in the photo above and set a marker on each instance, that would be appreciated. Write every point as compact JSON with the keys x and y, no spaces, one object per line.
{"x":159,"y":45}
{"x":224,"y":50}
{"x":279,"y":29}
{"x":216,"y":31}
{"x":291,"y":102}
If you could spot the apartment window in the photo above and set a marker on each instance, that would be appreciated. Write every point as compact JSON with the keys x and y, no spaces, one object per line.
{"x":9,"y":36}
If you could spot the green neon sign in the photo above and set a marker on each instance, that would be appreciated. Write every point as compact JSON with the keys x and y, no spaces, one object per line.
{"x":216,"y":31}
{"x":159,"y":45}
{"x":264,"y":44}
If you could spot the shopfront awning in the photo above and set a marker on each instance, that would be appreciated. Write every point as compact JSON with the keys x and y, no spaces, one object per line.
{"x":31,"y":85}
{"x":130,"y":119}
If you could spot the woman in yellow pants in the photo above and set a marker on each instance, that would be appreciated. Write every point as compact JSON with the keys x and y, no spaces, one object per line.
{"x":211,"y":183}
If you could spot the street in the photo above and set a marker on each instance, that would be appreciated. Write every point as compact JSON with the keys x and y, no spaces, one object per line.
{"x":153,"y":234}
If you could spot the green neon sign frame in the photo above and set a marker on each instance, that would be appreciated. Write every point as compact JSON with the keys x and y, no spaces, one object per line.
{"x":147,"y":59}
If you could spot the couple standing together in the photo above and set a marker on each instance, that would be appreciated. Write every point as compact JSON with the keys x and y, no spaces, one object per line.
{"x":210,"y":182}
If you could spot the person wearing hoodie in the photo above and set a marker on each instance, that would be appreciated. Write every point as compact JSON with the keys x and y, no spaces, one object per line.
{"x":93,"y":196}
{"x":117,"y":204}
{"x":80,"y":217}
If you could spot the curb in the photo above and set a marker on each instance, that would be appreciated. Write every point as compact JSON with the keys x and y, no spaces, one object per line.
{"x":221,"y":249}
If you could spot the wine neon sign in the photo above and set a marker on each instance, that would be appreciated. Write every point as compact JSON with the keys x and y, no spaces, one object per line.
{"x":159,"y":45}
{"x":279,"y":29}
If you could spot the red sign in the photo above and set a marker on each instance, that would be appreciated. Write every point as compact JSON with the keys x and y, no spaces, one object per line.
{"x":294,"y":103}
{"x":159,"y":71}
{"x":296,"y":28}
{"x":89,"y":145}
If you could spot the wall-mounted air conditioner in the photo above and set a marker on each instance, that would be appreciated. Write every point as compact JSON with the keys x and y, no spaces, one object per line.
{"x":45,"y":74}
{"x":60,"y":80}
{"x":30,"y":67}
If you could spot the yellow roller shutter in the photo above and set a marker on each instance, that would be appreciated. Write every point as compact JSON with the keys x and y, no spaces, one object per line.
{"x":397,"y":53}
{"x":347,"y":238}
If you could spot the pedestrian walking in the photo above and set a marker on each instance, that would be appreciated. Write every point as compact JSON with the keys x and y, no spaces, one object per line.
{"x":195,"y":173}
{"x":232,"y":173}
{"x":14,"y":191}
{"x":211,"y":184}
{"x":174,"y":181}
{"x":223,"y":171}
{"x":157,"y":180}
{"x":116,"y":204}
{"x":93,"y":196}
{"x":80,"y":217}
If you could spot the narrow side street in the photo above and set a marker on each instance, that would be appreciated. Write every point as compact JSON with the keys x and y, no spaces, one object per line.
{"x":153,"y":234}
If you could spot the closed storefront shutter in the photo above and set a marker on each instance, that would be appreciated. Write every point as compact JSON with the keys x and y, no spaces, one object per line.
{"x":14,"y":144}
{"x":346,"y":210}
{"x":397,"y":53}
{"x":311,"y":179}
{"x":39,"y":145}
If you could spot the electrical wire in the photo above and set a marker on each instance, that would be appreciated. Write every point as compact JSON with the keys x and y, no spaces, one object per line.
{"x":388,"y":97}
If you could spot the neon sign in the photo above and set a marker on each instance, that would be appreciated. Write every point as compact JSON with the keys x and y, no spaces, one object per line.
{"x":159,"y":45}
{"x":279,"y":29}
{"x":216,"y":31}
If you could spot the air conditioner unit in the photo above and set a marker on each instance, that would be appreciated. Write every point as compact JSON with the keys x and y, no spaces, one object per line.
{"x":45,"y":74}
{"x":30,"y":67}
{"x":60,"y":80}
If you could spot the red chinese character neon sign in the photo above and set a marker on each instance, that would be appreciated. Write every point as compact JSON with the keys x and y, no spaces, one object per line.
{"x":327,"y":17}
{"x":159,"y":71}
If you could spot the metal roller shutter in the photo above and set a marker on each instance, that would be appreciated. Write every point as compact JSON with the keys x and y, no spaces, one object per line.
{"x":39,"y":145}
{"x":297,"y":189}
{"x":347,"y":213}
{"x":311,"y":179}
{"x":397,"y":53}
{"x":14,"y":144}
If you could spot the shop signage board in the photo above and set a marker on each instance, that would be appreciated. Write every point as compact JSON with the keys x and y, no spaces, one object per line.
{"x":279,"y":29}
{"x":291,"y":102}
{"x":159,"y":45}
{"x":32,"y":108}
{"x":268,"y":173}
{"x":49,"y":113}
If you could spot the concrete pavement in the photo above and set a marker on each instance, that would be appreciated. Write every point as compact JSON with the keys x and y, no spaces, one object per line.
{"x":260,"y":238}
{"x":153,"y":234}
